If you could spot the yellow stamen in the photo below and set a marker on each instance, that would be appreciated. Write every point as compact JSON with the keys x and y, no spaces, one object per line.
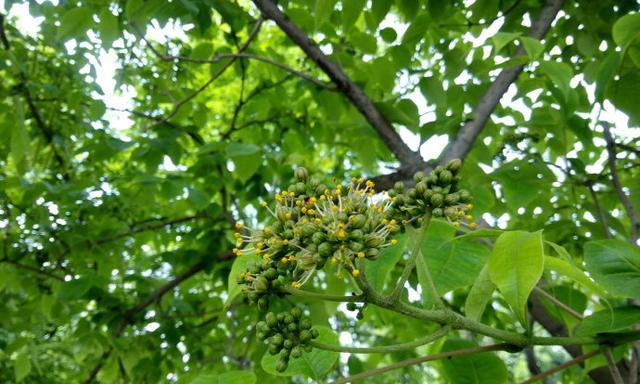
{"x":360,"y":254}
{"x":473,"y":225}
{"x":394,"y":241}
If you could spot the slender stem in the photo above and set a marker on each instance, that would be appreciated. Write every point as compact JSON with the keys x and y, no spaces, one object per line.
{"x":422,"y":267}
{"x":411,"y":263}
{"x":611,"y":363}
{"x":422,"y":359}
{"x":601,"y":214}
{"x":385,"y":348}
{"x":322,"y":296}
{"x":457,"y":321}
{"x":558,"y":303}
{"x":624,"y":199}
{"x":560,"y":367}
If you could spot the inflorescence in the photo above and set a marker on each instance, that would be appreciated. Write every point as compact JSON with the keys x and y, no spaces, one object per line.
{"x":314,"y":224}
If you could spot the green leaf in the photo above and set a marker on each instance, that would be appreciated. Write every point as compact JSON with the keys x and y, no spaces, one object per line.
{"x":20,"y":144}
{"x":606,"y":71}
{"x":350,"y":12}
{"x":479,"y":295}
{"x":560,"y":74}
{"x":614,"y":264}
{"x":379,"y":9}
{"x":480,"y":233}
{"x":388,"y":34}
{"x":231,"y":377}
{"x":75,"y":23}
{"x":404,"y":112}
{"x":609,"y":320}
{"x":22,"y":366}
{"x":515,"y":266}
{"x":108,"y":28}
{"x":239,"y":149}
{"x":240,"y":265}
{"x":479,"y":368}
{"x":378,"y":272}
{"x":501,"y":39}
{"x":564,"y":268}
{"x":202,"y":51}
{"x":626,"y":29}
{"x":315,"y":364}
{"x":452,"y":264}
{"x":624,"y":93}
{"x":323,"y":11}
{"x":533,"y":47}
{"x":522,"y":181}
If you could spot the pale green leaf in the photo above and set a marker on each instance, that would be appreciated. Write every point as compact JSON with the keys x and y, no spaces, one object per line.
{"x":478,"y":368}
{"x":501,"y":39}
{"x":609,"y":320}
{"x":515,"y":266}
{"x":22,"y":365}
{"x":75,"y":23}
{"x":626,"y":29}
{"x":479,"y":295}
{"x":614,"y":264}
{"x":240,"y":265}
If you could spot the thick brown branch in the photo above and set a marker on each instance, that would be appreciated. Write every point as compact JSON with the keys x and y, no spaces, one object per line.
{"x":344,"y":84}
{"x":467,"y":135}
{"x":154,"y":297}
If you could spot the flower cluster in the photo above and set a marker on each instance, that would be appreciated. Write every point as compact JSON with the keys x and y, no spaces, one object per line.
{"x":437,"y":195}
{"x":288,"y":334}
{"x":314,"y":225}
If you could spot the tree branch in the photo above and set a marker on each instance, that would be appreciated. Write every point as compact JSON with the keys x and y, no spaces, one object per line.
{"x":154,"y":297}
{"x":423,"y":359}
{"x":218,"y":73}
{"x":344,"y":84}
{"x":467,"y":134}
{"x":628,"y":206}
{"x":32,"y":269}
{"x":560,"y":367}
{"x":386,"y":348}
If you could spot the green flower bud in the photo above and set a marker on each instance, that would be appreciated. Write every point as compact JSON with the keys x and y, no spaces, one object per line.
{"x":277,"y":339}
{"x":445,"y":177}
{"x":452,"y":199}
{"x":262,"y":326}
{"x":372,"y":253}
{"x":308,"y":229}
{"x":358,"y":221}
{"x":356,"y":247}
{"x":374,"y":241}
{"x":301,"y":188}
{"x":280,"y":317}
{"x":287,"y":234}
{"x":288,"y":344}
{"x":436,"y":200}
{"x":450,"y":211}
{"x":270,"y":319}
{"x":437,"y":212}
{"x":357,"y":235}
{"x":314,"y":333}
{"x":398,"y":186}
{"x":271,"y":274}
{"x":288,"y":319}
{"x":302,"y":174}
{"x":325,"y":249}
{"x":292,"y":327}
{"x":412,"y":193}
{"x":421,"y":187}
{"x":262,"y":335}
{"x":281,"y":365}
{"x":427,"y":194}
{"x":418,"y":176}
{"x":273,"y":349}
{"x":318,"y":237}
{"x":306,"y":335}
{"x":454,"y":165}
{"x":307,"y":348}
{"x":465,"y":196}
{"x":261,"y":284}
{"x":320,"y":189}
{"x":296,"y":312}
{"x":305,"y":324}
{"x":282,"y":213}
{"x":296,"y":352}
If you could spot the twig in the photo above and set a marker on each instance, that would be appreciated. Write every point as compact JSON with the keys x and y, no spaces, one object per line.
{"x":322,"y":296}
{"x":611,"y":363}
{"x":628,"y":206}
{"x":423,"y":359}
{"x":218,"y":73}
{"x":601,"y":214}
{"x":558,"y":303}
{"x":560,"y":367}
{"x":411,"y":263}
{"x":344,"y":84}
{"x":386,"y":348}
{"x":32,"y":269}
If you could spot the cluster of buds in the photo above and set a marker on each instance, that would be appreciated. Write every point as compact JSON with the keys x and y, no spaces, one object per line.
{"x":288,"y":334}
{"x":436,"y":195}
{"x":314,"y":225}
